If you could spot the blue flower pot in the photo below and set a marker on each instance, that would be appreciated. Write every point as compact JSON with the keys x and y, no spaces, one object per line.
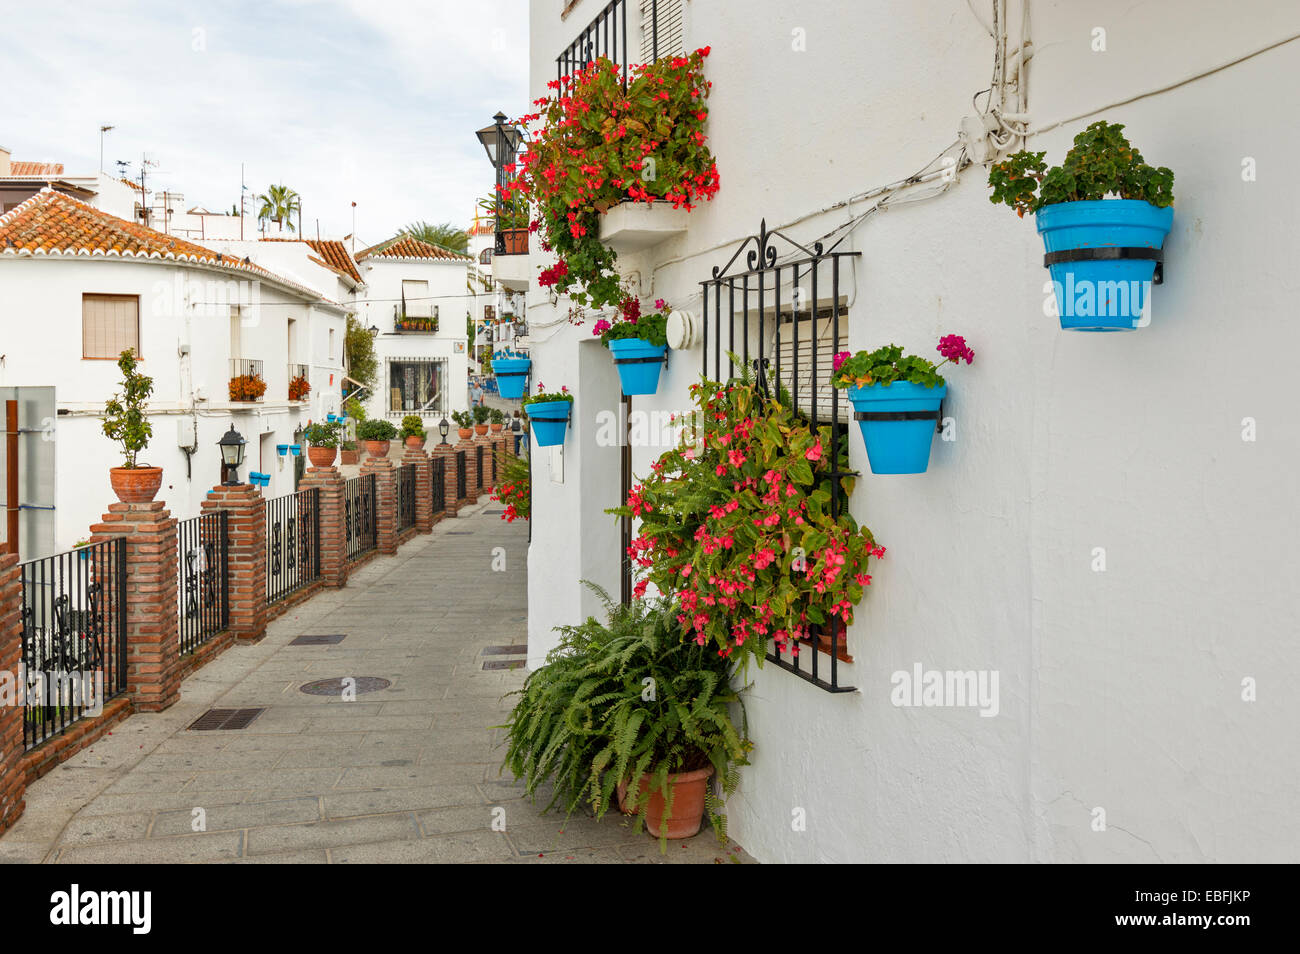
{"x":898,"y":441}
{"x":1107,"y":294}
{"x":282,"y":449}
{"x":512,"y":376}
{"x":549,"y":419}
{"x":638,"y":363}
{"x":295,"y":450}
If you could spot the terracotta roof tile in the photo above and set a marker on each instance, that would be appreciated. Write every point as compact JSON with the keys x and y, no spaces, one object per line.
{"x":334,"y":252}
{"x":403,"y":246}
{"x":35,"y":168}
{"x":51,"y":223}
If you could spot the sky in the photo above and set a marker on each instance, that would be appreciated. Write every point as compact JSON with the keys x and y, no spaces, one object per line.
{"x":367,"y":101}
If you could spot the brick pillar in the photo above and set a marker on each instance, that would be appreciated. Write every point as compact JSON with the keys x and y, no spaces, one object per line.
{"x":246,"y":531}
{"x":446,"y":455}
{"x":385,"y":501}
{"x":423,"y":487}
{"x":333,"y":516}
{"x":471,"y":470}
{"x":153,"y":647}
{"x":13,"y":777}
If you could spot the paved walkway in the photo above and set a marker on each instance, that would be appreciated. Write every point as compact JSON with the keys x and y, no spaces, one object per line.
{"x":404,"y":774}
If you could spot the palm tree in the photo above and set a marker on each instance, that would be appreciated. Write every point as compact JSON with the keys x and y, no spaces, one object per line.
{"x":279,"y":203}
{"x":444,"y":235}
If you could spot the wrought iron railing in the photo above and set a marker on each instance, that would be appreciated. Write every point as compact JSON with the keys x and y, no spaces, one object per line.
{"x":247,"y":383}
{"x":202,"y":578}
{"x":299,"y":382}
{"x":72,"y":636}
{"x":360,"y":521}
{"x":292,"y":543}
{"x":479,"y":466}
{"x":605,"y":36}
{"x":770,"y":315}
{"x":462,"y":488}
{"x":438,"y":484}
{"x":407,"y":321}
{"x":406,"y":496}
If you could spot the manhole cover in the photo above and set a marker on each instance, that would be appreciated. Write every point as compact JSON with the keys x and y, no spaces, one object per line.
{"x":327,"y":639}
{"x":518,"y":649}
{"x":335,"y":687}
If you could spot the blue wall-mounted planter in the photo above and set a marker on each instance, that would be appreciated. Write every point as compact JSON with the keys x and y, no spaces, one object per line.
{"x":282,"y":449}
{"x":295,"y":450}
{"x":512,"y":376}
{"x":1104,"y":294}
{"x":638,"y":363}
{"x":903,"y":419}
{"x":549,"y":420}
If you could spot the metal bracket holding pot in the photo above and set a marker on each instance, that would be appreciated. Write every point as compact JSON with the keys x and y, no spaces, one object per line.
{"x":936,"y":416}
{"x":1111,"y":253}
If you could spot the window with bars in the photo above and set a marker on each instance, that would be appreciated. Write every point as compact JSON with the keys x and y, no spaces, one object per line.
{"x":807,"y":343}
{"x":109,"y":325}
{"x":662,"y":31}
{"x":417,"y":386}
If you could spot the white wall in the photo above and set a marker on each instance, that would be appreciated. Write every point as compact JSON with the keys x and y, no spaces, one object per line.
{"x":1120,"y":690}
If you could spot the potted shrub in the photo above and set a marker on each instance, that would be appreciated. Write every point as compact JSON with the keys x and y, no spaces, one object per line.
{"x":639,"y":344}
{"x":1101,"y":252}
{"x":628,"y":704}
{"x":299,"y":388}
{"x":376,"y":434}
{"x":897,"y":398}
{"x":413,"y":432}
{"x":246,"y":387}
{"x":125,"y":422}
{"x":510,"y":218}
{"x":348,"y":453}
{"x":480,"y":419}
{"x":322,"y":442}
{"x":511,"y":372}
{"x":498,"y":418}
{"x":548,"y":415}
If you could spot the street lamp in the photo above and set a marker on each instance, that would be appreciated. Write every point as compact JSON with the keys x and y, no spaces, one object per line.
{"x":232,"y":455}
{"x":374,"y":331}
{"x":444,"y":428}
{"x":499,"y":140}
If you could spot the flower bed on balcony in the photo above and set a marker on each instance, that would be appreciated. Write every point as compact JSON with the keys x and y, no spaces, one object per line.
{"x":247,"y":387}
{"x":411,"y":324}
{"x":299,"y":388}
{"x":600,"y":144}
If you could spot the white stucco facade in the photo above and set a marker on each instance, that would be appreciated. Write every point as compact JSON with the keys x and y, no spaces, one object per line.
{"x":1121,"y":690}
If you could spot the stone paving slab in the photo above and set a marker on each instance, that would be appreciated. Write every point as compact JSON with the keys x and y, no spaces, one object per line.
{"x":408,"y":774}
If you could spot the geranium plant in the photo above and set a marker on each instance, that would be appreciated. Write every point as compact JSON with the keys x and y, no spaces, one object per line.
{"x":514,"y":488}
{"x":246,"y":387}
{"x":1101,"y":163}
{"x":299,"y":388}
{"x":599,"y":144}
{"x":736,"y":524}
{"x":889,"y":364}
{"x":542,"y":395}
{"x":631,"y":323}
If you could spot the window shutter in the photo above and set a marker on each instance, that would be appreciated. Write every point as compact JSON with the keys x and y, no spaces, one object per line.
{"x":667,"y":16}
{"x":810,"y":378}
{"x":110,"y":324}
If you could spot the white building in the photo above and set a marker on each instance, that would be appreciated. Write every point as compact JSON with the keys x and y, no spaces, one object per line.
{"x":79,"y":286}
{"x":1127,"y":730}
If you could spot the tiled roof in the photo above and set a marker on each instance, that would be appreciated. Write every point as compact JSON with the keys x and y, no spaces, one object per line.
{"x":53,"y":224}
{"x":403,"y":246}
{"x":334,"y":252}
{"x":35,"y":168}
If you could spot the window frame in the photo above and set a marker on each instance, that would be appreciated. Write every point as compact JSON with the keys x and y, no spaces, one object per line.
{"x":110,"y":296}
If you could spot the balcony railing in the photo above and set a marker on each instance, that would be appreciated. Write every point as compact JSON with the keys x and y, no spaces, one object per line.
{"x":247,"y":382}
{"x":511,"y":242}
{"x":406,"y":323}
{"x":299,"y":382}
{"x":604,"y":36}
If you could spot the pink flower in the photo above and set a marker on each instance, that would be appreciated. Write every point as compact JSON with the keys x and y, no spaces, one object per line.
{"x":660,"y":304}
{"x":814,"y":452}
{"x":601,"y":327}
{"x":954,"y":349}
{"x":839,"y":359}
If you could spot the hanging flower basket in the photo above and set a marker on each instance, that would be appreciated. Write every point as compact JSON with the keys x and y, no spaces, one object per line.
{"x":512,"y":376}
{"x":639,"y":344}
{"x":548,"y":415}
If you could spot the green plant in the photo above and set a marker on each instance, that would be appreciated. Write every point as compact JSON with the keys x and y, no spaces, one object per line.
{"x":444,"y":235}
{"x":480,"y":412}
{"x":412,"y":426}
{"x":736,"y":523}
{"x":497,"y":415}
{"x":376,"y":429}
{"x":622,"y":700}
{"x":323,"y":433}
{"x":514,"y":489}
{"x":631,"y":323}
{"x":888,"y":364}
{"x":463,"y":419}
{"x":600,"y":144}
{"x":542,"y":396}
{"x":124,"y":413}
{"x":1101,"y":163}
{"x":359,"y":349}
{"x":348,"y":445}
{"x":354,"y":409}
{"x":513,"y":213}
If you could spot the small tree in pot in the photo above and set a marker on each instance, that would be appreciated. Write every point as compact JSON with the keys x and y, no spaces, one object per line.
{"x":413,"y":431}
{"x":480,"y":419}
{"x":376,"y":435}
{"x":498,"y":417}
{"x":464,"y":424}
{"x":125,"y":422}
{"x":322,"y":441}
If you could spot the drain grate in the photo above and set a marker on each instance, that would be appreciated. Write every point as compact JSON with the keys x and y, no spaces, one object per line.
{"x":519,"y":649}
{"x":314,"y":639}
{"x":335,"y":687}
{"x":225,"y":719}
{"x":493,"y":513}
{"x":503,"y":663}
{"x":460,"y":533}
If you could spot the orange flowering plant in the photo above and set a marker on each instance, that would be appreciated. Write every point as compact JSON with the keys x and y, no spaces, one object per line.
{"x":736,"y":524}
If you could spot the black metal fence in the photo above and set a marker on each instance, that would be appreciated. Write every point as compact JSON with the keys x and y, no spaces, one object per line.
{"x":438,"y":484}
{"x":406,"y":496}
{"x":462,"y":488}
{"x":203,"y":574}
{"x":605,"y":36}
{"x":72,"y":635}
{"x":479,"y":466}
{"x":292,"y":543}
{"x":360,"y":519}
{"x":784,"y":321}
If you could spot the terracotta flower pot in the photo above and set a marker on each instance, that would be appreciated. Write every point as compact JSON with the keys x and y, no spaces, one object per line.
{"x":321,"y":456}
{"x":135,"y":484}
{"x":416,"y":442}
{"x":465,"y":433}
{"x":351,"y":456}
{"x":516,"y":241}
{"x":496,"y":428}
{"x":377,"y":448}
{"x":480,"y":429}
{"x":688,"y":804}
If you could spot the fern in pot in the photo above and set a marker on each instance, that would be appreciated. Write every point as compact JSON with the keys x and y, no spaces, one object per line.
{"x":628,"y":708}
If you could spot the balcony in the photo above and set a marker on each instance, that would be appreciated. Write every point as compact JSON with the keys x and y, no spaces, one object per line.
{"x":407,"y":322}
{"x":510,"y":262}
{"x":299,"y":382}
{"x":637,"y":226}
{"x":247,"y":383}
